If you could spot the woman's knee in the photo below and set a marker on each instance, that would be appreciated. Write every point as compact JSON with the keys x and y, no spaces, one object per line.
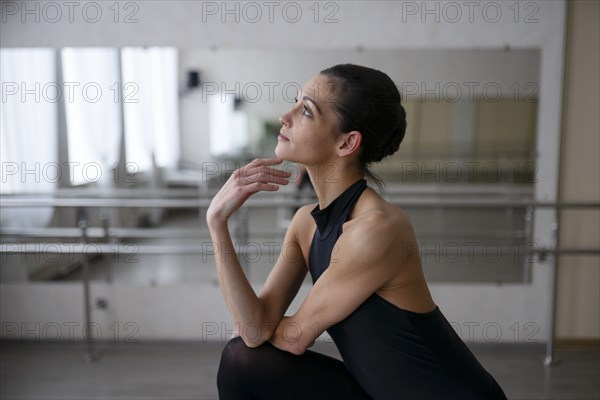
{"x":230,"y":369}
{"x":234,"y":352}
{"x":245,"y":361}
{"x":236,"y":359}
{"x":242,"y":369}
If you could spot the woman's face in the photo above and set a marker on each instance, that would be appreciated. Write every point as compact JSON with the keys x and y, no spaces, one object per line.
{"x":308,"y":133}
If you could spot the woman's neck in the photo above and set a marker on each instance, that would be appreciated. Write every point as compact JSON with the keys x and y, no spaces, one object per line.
{"x":330,"y":180}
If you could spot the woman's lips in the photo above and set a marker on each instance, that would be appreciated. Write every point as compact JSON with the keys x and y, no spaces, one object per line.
{"x":283,"y":138}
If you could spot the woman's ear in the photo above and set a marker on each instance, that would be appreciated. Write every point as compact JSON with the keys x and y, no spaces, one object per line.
{"x":349,"y":143}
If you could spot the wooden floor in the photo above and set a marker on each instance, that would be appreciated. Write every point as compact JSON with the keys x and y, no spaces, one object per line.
{"x":187,"y":370}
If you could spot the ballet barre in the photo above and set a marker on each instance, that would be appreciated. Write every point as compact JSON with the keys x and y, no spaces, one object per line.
{"x":84,"y":232}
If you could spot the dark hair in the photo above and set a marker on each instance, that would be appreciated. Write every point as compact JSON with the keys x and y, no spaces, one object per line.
{"x":368,"y":101}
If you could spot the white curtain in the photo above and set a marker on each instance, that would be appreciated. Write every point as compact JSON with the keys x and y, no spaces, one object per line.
{"x":150,"y":106}
{"x":28,"y":130}
{"x":228,"y":128}
{"x":93,"y":113}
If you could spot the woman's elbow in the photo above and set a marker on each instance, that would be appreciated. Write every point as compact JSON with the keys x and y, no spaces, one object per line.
{"x":252,"y":342}
{"x":296,"y":349}
{"x":255,"y":335}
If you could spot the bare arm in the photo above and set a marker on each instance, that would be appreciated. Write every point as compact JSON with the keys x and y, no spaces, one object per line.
{"x":368,"y":256}
{"x":255,"y":317}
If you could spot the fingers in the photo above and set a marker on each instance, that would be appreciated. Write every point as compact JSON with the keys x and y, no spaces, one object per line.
{"x":258,"y":162}
{"x":265,"y":174}
{"x":259,"y":175}
{"x":258,"y":186}
{"x":263,"y":164}
{"x":268,"y":171}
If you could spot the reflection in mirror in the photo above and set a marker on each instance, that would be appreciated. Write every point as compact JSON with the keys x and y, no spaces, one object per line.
{"x":473,"y":109}
{"x":171,"y":123}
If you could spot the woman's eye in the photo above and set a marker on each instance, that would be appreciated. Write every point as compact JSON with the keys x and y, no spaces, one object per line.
{"x":306,"y":112}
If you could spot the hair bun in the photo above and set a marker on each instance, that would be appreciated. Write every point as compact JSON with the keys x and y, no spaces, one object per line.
{"x":386,"y":144}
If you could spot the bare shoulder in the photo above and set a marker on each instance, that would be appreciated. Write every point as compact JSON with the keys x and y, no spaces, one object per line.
{"x":302,"y":224}
{"x":375,"y":241}
{"x":379,"y":223}
{"x":302,"y":217}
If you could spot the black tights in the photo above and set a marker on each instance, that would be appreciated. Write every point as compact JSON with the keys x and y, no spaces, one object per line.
{"x":266,"y":372}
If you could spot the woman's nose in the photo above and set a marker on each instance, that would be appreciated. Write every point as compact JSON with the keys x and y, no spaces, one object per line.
{"x":283,"y":120}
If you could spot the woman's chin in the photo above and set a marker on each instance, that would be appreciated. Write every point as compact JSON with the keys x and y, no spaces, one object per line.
{"x":281,"y":153}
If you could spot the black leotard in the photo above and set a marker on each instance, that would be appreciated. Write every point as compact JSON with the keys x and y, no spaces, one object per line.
{"x":394,"y":353}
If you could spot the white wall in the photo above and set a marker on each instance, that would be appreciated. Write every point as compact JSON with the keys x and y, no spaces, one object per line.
{"x":372,"y":25}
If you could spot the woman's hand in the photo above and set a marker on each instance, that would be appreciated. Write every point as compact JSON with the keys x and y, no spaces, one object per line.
{"x":244,"y":182}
